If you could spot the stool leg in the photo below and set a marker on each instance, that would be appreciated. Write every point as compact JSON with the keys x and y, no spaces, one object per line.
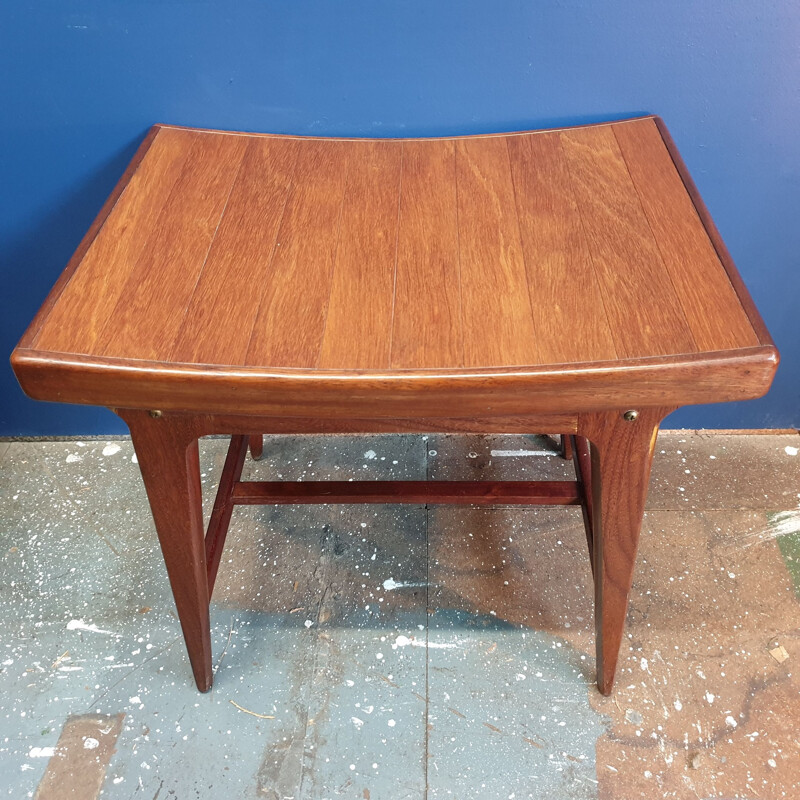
{"x":566,"y":447}
{"x":169,"y":461}
{"x":622,"y":452}
{"x":256,"y":446}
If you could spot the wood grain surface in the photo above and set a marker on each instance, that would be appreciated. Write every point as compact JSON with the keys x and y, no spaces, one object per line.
{"x":426,"y":329}
{"x":573,"y":253}
{"x":359,"y":314}
{"x":569,"y":314}
{"x":170,"y":464}
{"x":247,"y":283}
{"x":241,"y":257}
{"x":621,"y":457}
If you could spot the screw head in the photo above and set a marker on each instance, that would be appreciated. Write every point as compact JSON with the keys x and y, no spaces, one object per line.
{"x":155,"y":413}
{"x":631,"y":415}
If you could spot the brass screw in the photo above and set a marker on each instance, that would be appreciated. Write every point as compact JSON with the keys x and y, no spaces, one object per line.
{"x":631,"y":415}
{"x":155,"y":413}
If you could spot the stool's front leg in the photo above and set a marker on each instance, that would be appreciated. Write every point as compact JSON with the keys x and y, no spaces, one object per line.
{"x":168,"y":458}
{"x":622,"y":452}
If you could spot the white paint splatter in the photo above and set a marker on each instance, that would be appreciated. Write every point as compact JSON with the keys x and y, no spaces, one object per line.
{"x":405,"y":641}
{"x":678,"y":705}
{"x":135,"y":700}
{"x":72,"y":458}
{"x":42,"y":752}
{"x":791,"y":451}
{"x":391,"y":723}
{"x":370,"y":455}
{"x":645,"y":665}
{"x":111,"y":448}
{"x":390,"y":584}
{"x":80,"y":625}
{"x":308,"y":623}
{"x":357,"y":722}
{"x":784,"y":523}
{"x":731,"y":721}
{"x":90,"y":743}
{"x":134,"y":459}
{"x":781,"y":524}
{"x":709,"y":697}
{"x":520,"y":453}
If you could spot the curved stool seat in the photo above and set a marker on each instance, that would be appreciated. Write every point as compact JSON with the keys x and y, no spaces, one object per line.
{"x":567,"y":281}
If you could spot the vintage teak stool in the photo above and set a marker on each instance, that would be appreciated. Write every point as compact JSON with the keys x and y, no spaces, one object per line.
{"x":567,"y":281}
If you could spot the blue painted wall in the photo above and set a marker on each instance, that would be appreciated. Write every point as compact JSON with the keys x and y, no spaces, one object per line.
{"x":82,"y":82}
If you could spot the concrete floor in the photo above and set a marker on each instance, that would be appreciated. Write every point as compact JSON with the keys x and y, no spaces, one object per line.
{"x":402,"y":652}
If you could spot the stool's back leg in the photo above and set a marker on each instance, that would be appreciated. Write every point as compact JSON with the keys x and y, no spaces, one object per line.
{"x":256,"y":446}
{"x":168,"y":457}
{"x":622,"y":452}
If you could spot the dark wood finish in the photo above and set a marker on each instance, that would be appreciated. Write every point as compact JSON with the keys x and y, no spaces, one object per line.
{"x":242,"y":255}
{"x":713,"y":234}
{"x":256,"y":447}
{"x":149,"y":311}
{"x":81,"y":310}
{"x":734,"y":375}
{"x":566,"y":447}
{"x":621,"y":453}
{"x":223,"y":507}
{"x":77,"y":259}
{"x":427,"y":324}
{"x":496,"y":309}
{"x":537,"y":281}
{"x":207,"y":424}
{"x":645,"y":315}
{"x":454,"y":285}
{"x":483,"y":493}
{"x":169,"y":461}
{"x":359,"y":310}
{"x":299,"y":281}
{"x":582,"y":458}
{"x":557,"y":255}
{"x":714,"y":312}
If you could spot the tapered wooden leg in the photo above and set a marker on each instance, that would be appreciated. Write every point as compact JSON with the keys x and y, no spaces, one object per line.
{"x":566,"y":447}
{"x":256,"y":446}
{"x":622,"y":452}
{"x":168,"y":458}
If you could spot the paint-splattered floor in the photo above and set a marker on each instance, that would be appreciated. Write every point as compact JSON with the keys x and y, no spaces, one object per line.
{"x":402,"y":652}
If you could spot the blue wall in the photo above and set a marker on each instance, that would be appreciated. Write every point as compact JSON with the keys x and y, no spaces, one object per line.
{"x":82,"y":82}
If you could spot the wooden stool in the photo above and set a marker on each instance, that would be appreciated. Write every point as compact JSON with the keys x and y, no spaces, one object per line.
{"x":564,"y":281}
